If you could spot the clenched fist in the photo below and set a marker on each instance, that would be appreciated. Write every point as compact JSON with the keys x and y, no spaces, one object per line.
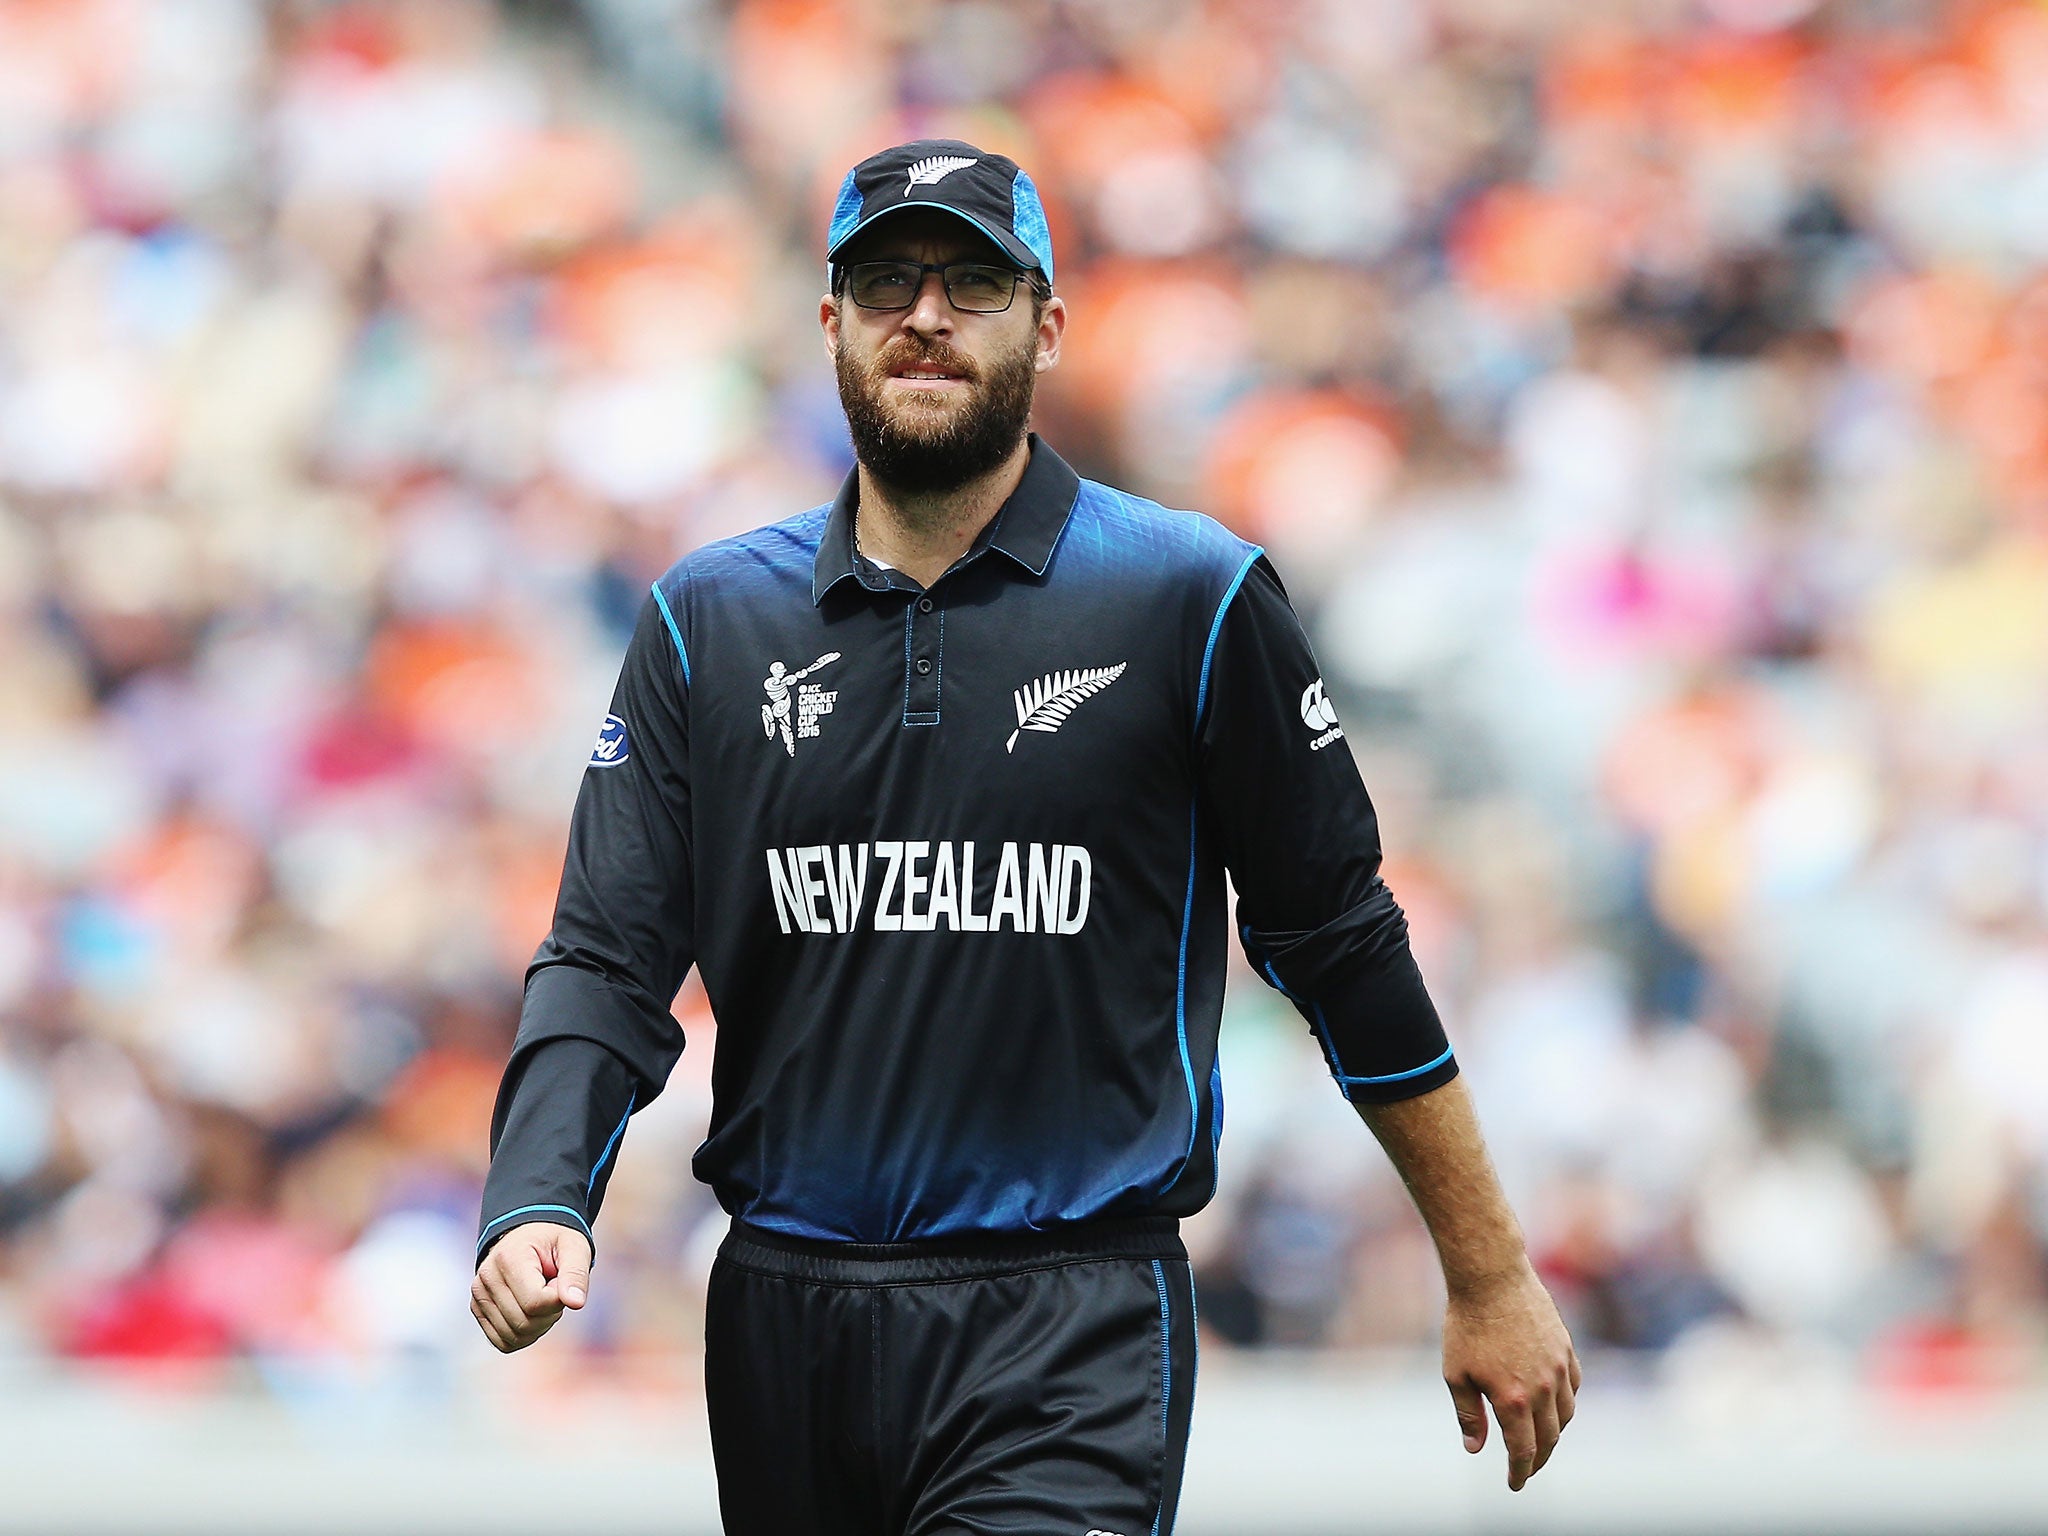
{"x":530,"y":1274}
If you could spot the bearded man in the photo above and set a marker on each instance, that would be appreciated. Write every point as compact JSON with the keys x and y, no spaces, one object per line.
{"x":963,"y":932}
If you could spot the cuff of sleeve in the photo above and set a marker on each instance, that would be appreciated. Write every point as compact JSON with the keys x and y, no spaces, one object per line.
{"x":1356,"y":983}
{"x":561,"y":1114}
{"x":560,"y":1215}
{"x":1400,"y":1085}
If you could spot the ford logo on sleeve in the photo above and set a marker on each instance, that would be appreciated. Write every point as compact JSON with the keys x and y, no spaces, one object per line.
{"x":612,"y":747}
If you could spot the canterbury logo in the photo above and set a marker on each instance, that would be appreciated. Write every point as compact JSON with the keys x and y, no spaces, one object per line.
{"x":936,"y":169}
{"x":1045,"y":704}
{"x":1316,"y":710}
{"x":1319,"y":714}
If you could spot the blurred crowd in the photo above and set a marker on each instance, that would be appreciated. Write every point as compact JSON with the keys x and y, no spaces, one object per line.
{"x":1646,"y":402}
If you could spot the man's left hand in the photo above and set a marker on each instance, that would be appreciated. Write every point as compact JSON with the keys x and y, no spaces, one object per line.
{"x":1504,"y":1341}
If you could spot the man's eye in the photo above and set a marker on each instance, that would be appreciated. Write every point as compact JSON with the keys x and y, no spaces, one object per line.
{"x":977,"y":280}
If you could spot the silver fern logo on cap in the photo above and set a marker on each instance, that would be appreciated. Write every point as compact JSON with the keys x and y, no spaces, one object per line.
{"x":936,"y":169}
{"x":1045,"y":704}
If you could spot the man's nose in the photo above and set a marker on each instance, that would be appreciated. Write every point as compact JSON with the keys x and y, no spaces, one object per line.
{"x":931,"y":311}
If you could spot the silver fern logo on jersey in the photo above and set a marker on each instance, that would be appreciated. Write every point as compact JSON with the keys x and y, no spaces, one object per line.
{"x":937,"y":168}
{"x":1045,"y":704}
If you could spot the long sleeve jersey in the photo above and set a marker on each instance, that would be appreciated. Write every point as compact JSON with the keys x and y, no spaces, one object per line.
{"x":950,"y":862}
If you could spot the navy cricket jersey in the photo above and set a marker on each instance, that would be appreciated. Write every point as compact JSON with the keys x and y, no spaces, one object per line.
{"x":950,"y":862}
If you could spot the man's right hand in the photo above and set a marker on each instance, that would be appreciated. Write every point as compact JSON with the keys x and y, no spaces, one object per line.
{"x":529,"y":1275}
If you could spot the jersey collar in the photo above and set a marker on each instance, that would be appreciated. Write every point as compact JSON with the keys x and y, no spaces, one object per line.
{"x":1026,"y":527}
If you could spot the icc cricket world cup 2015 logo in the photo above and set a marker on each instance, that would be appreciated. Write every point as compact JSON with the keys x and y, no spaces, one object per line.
{"x":788,"y":694}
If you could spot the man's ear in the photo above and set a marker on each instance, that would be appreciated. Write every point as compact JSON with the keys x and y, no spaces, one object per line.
{"x":828,"y":323}
{"x":1052,"y":325}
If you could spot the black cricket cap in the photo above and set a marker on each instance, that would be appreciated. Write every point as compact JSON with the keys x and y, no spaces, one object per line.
{"x":988,"y":191}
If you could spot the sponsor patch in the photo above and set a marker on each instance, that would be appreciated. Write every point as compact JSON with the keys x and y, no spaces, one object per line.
{"x":612,"y":747}
{"x":1319,"y":714}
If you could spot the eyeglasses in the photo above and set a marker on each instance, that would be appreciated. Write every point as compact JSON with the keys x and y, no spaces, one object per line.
{"x":977,"y":287}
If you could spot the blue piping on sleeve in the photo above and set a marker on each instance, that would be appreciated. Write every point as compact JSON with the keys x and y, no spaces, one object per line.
{"x":674,"y":634}
{"x":1187,"y":915}
{"x":1216,"y":628}
{"x":1180,"y":994}
{"x":569,"y":1211}
{"x":1395,"y":1077}
{"x":1215,"y":1107}
{"x":606,"y":1155}
{"x":1215,"y":1124}
{"x":1322,"y":1028}
{"x":1322,"y":1032}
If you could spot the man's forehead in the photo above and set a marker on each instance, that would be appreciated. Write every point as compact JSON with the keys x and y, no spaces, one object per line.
{"x":918,"y":235}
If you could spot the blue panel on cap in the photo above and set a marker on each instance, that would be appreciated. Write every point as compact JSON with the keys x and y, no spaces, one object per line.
{"x":1029,"y":222}
{"x":845,"y":212}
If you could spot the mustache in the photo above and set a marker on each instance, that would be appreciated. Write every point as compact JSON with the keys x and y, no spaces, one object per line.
{"x":932,"y":354}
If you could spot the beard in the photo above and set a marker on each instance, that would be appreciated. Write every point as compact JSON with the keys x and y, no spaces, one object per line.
{"x":921,"y":451}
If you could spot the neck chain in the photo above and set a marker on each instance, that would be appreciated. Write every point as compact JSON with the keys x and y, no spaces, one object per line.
{"x":858,"y":552}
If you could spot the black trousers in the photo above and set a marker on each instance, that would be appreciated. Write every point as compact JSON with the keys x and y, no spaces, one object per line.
{"x":1037,"y":1385}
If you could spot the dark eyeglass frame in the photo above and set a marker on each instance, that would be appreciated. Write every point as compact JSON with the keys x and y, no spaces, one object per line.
{"x":945,"y":270}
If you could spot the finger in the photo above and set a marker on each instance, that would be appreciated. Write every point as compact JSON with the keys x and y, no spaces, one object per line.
{"x":1518,"y":1432}
{"x":1575,"y":1372}
{"x":1544,"y":1412}
{"x":529,"y":1287}
{"x":501,"y":1337}
{"x":572,"y":1274}
{"x":1471,"y":1413}
{"x":519,"y":1334}
{"x":490,"y":1318}
{"x":1567,"y":1401}
{"x":500,"y":1291}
